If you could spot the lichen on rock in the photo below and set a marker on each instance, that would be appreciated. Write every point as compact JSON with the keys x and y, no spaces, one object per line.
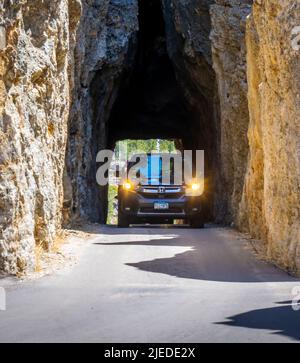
{"x":272,"y":188}
{"x":34,"y":108}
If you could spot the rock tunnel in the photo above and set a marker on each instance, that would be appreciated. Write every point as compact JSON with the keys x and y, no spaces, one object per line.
{"x":77,"y":76}
{"x":158,"y":92}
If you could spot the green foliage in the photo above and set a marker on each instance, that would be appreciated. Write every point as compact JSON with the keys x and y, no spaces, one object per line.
{"x":146,"y":146}
{"x":112,"y":193}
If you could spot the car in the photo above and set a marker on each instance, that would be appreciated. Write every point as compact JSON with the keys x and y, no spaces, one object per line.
{"x":150,"y":199}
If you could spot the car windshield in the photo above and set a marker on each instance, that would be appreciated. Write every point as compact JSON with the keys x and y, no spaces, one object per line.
{"x":152,"y":172}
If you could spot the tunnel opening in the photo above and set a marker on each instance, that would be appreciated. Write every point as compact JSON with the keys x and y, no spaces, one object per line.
{"x":124,"y":149}
{"x":152,"y":98}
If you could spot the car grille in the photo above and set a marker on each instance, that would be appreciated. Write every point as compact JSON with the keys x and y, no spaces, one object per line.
{"x":153,"y":192}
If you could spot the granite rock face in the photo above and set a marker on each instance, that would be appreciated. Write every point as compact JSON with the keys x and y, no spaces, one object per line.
{"x":60,"y":62}
{"x":271,"y":202}
{"x":229,"y":63}
{"x":105,"y":47}
{"x":206,"y":42}
{"x":35,"y":42}
{"x":255,"y":130}
{"x":188,"y":27}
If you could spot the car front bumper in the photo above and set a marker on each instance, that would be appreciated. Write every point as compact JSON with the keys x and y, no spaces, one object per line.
{"x":184,"y":207}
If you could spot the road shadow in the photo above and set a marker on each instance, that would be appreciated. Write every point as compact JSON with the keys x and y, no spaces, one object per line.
{"x":97,"y":229}
{"x":281,"y":320}
{"x":209,"y":256}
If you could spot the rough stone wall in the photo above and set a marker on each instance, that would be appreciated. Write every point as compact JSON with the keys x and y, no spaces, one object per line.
{"x":188,"y":26}
{"x":46,"y":65}
{"x":206,"y":42}
{"x":256,"y":130}
{"x":229,"y":62}
{"x":105,"y":49}
{"x":271,"y":201}
{"x":35,"y":42}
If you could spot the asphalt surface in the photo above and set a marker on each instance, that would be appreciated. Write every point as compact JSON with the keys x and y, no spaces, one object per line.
{"x":158,"y":284}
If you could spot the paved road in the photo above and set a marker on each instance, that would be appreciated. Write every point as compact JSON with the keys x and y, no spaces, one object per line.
{"x":157,"y":285}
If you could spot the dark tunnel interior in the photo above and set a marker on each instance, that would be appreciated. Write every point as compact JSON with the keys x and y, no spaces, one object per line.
{"x":150,"y":103}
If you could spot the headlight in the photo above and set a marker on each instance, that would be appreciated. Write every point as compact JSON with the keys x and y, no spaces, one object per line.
{"x":127,"y":185}
{"x":195,"y":188}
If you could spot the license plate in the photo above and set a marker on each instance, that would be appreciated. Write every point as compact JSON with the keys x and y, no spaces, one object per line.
{"x":161,"y":205}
